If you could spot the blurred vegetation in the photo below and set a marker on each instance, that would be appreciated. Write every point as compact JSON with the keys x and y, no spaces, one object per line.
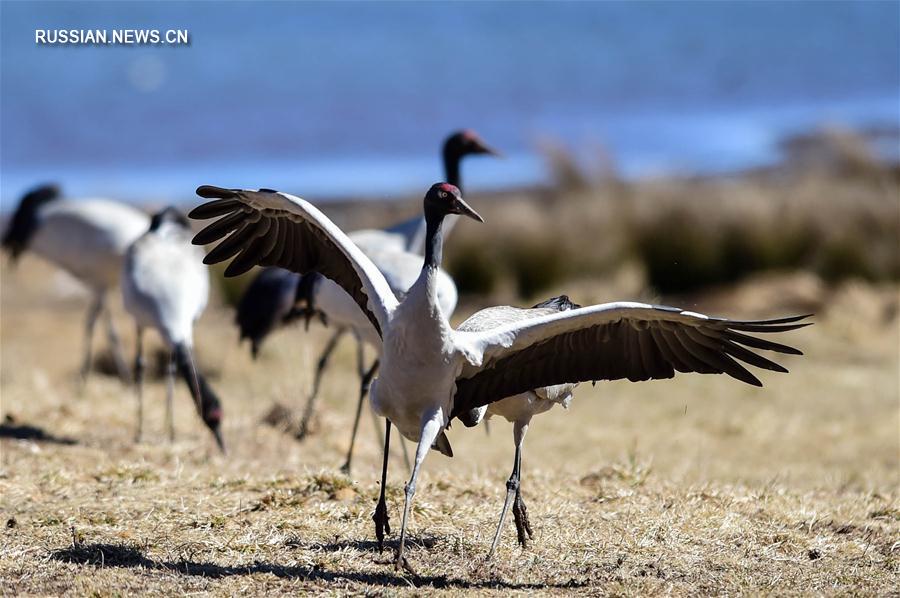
{"x":831,"y":207}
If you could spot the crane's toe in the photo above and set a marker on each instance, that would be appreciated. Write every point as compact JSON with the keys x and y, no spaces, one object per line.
{"x":382,"y":524}
{"x":401,"y":562}
{"x":523,"y":525}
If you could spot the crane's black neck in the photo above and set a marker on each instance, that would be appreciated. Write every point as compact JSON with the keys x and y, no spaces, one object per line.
{"x":434,"y":236}
{"x":452,"y":160}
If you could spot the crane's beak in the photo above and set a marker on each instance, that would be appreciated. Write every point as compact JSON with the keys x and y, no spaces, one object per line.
{"x":464,"y":209}
{"x":217,"y":433}
{"x":482,"y":148}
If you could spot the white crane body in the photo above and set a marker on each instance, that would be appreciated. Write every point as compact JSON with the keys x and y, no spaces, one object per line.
{"x":166,"y":286}
{"x":88,"y":238}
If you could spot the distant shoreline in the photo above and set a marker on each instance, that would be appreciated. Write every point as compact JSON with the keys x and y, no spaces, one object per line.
{"x":396,"y":181}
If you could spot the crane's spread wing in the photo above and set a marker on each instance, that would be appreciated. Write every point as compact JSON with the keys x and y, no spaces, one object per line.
{"x":268,"y":228}
{"x":610,"y":342}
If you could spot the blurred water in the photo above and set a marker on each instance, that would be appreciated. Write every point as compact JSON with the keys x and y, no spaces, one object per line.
{"x":348,"y":99}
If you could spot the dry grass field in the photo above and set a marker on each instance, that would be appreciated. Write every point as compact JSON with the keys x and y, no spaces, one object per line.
{"x":697,"y":485}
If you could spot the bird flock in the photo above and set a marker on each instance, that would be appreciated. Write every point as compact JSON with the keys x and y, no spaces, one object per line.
{"x":387,"y":289}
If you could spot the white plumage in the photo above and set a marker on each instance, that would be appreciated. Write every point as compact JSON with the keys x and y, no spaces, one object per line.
{"x":165,"y":284}
{"x":88,"y":238}
{"x":400,"y":270}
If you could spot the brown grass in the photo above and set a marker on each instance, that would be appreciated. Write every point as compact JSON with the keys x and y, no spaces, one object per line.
{"x":697,"y":485}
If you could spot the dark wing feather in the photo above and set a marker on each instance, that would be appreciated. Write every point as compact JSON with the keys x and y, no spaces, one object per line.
{"x":219,"y":207}
{"x":635,"y":348}
{"x":274,"y":229}
{"x":760,"y":343}
{"x":220,"y":227}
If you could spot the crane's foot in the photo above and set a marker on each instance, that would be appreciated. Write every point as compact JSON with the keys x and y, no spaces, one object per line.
{"x":401,"y":562}
{"x":382,"y":523}
{"x":345,"y":468}
{"x":523,"y":526}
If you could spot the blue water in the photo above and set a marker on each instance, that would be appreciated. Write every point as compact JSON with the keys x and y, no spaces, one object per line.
{"x":331,"y":100}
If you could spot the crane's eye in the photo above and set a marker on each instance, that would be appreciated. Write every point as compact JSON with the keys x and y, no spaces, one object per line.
{"x":442,"y":195}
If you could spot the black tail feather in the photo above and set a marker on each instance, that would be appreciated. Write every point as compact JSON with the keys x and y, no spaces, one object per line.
{"x":25,"y":220}
{"x":265,"y":304}
{"x":471,"y":417}
{"x":560,"y":303}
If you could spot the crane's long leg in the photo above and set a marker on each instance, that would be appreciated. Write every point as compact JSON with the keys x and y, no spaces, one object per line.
{"x":91,"y":322}
{"x":139,"y":382}
{"x":520,"y":513}
{"x":380,"y":517}
{"x":115,"y":346}
{"x":170,"y":392}
{"x":320,"y":368}
{"x":433,"y":424}
{"x":363,"y":391}
{"x":512,"y":488}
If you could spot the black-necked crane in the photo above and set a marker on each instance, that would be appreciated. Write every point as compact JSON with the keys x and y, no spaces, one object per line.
{"x":166,"y":287}
{"x":272,"y":298}
{"x":518,"y":409}
{"x":431,"y":373}
{"x":88,"y":239}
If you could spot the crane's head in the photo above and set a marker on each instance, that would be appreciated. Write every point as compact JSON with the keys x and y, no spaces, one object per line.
{"x":210,"y":408}
{"x":466,"y":142}
{"x":212,"y":417}
{"x":26,"y":219}
{"x":169,"y":216}
{"x":444,"y":199}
